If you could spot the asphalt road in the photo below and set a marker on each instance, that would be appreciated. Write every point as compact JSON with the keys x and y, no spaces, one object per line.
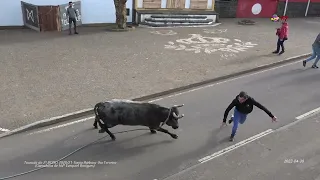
{"x":287,"y":91}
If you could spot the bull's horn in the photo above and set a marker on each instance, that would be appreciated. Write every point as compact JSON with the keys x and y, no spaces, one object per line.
{"x":178,"y":105}
{"x":174,"y":115}
{"x":181,"y":116}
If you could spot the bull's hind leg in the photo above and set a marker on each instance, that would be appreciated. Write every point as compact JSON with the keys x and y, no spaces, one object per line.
{"x":102,"y":126}
{"x":167,"y":132}
{"x":95,"y":124}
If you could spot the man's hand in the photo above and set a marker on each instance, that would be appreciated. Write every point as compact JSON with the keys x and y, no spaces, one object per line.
{"x":274,"y":119}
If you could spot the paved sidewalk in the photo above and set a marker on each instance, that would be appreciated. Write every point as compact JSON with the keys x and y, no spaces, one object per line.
{"x":50,"y":74}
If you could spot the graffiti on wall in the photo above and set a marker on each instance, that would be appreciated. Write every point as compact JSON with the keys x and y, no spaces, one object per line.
{"x":30,"y":14}
{"x":64,"y":16}
{"x":198,"y":43}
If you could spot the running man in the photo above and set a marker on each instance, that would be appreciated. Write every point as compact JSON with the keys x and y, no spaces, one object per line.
{"x":243,"y":104}
{"x":315,"y":53}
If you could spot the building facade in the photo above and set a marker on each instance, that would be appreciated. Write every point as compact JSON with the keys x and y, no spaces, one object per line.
{"x":93,"y":11}
{"x":103,"y":11}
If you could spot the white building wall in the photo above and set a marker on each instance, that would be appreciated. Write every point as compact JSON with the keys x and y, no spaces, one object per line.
{"x":93,"y":11}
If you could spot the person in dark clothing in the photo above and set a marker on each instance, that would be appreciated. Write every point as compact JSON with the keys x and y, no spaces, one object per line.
{"x":243,"y":104}
{"x":72,"y":14}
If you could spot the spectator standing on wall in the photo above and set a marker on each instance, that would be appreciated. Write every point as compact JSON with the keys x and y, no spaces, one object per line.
{"x":72,"y":14}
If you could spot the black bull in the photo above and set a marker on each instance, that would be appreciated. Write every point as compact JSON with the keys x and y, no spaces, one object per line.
{"x":132,"y":113}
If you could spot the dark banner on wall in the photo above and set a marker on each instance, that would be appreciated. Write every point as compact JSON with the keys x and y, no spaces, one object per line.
{"x":64,"y":17}
{"x":30,"y":15}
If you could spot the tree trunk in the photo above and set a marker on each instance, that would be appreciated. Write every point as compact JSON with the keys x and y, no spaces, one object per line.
{"x":121,"y":13}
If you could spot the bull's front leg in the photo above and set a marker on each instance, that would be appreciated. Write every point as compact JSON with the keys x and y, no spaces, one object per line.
{"x":167,"y":132}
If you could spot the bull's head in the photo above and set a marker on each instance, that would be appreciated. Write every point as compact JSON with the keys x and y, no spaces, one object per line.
{"x":174,"y":116}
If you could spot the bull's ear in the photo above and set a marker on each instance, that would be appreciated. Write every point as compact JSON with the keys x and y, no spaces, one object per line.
{"x":178,"y":105}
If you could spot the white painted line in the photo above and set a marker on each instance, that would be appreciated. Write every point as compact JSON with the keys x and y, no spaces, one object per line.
{"x":62,"y":125}
{"x":5,"y":130}
{"x":301,"y":118}
{"x":235,"y":146}
{"x":191,"y":90}
{"x":312,"y":112}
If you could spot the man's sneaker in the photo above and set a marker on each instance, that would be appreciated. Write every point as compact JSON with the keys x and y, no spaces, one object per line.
{"x":281,"y":52}
{"x":314,"y":66}
{"x":231,"y":138}
{"x":275,"y":52}
{"x":304,"y":63}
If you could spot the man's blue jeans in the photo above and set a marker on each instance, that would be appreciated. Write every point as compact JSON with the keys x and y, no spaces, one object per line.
{"x":237,"y":118}
{"x":315,"y":53}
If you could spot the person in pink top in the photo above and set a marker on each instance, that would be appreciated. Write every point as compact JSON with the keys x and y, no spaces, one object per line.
{"x":282,"y":34}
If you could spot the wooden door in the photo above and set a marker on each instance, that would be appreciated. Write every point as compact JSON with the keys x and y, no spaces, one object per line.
{"x":176,"y":4}
{"x":256,"y":8}
{"x":199,"y":4}
{"x":152,"y":4}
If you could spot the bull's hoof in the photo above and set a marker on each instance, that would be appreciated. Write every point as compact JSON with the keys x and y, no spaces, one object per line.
{"x":102,"y":131}
{"x":113,"y":138}
{"x":153,"y":131}
{"x":174,"y":136}
{"x":95,"y":126}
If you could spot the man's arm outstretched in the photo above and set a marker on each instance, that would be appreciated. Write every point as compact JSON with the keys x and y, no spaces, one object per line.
{"x":231,"y":105}
{"x":260,"y":106}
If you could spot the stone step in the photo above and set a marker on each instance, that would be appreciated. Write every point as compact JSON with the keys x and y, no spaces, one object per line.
{"x":168,"y":24}
{"x":178,"y":20}
{"x":173,"y":16}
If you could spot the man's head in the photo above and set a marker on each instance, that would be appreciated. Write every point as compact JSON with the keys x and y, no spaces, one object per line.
{"x":243,"y":96}
{"x":70,"y":4}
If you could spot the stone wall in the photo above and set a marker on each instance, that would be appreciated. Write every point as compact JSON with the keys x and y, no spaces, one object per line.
{"x":298,"y":9}
{"x":226,"y":8}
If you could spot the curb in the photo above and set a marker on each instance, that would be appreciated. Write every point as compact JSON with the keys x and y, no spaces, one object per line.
{"x":87,"y":112}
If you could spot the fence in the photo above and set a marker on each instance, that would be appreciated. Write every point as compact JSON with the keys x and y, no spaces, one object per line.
{"x":48,"y":18}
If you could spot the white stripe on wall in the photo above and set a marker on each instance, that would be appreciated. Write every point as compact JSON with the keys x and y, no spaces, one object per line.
{"x":140,"y":4}
{"x":209,"y":4}
{"x":187,"y":4}
{"x":163,"y":3}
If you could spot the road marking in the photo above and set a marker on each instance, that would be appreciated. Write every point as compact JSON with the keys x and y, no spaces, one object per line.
{"x":62,"y":125}
{"x":5,"y":130}
{"x":223,"y":151}
{"x":188,"y":91}
{"x":235,"y":146}
{"x":312,"y":112}
{"x":301,"y":118}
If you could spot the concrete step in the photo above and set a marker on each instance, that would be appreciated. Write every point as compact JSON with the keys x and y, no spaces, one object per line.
{"x":178,"y":20}
{"x":179,"y":16}
{"x":173,"y":24}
